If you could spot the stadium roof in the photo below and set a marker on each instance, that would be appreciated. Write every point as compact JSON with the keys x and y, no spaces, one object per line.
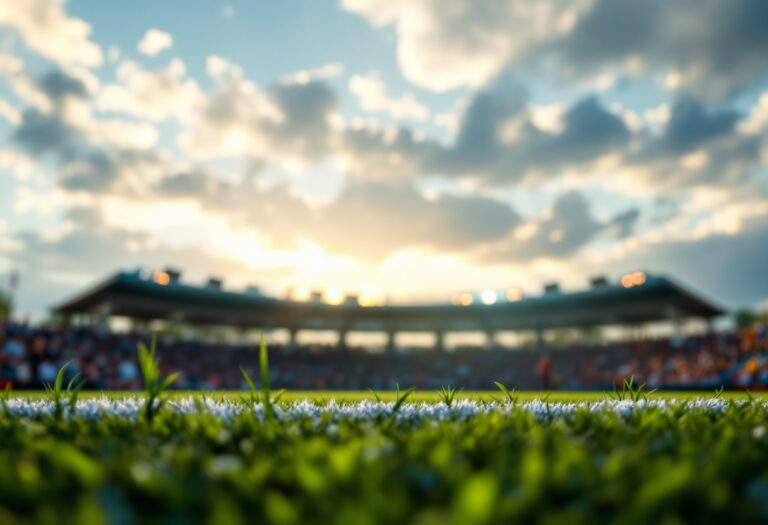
{"x":138,"y":295}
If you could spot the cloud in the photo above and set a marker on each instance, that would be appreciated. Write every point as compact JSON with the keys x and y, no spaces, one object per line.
{"x":368,"y":220}
{"x":698,"y":146}
{"x":151,"y":94}
{"x":709,"y":48}
{"x":42,"y":133}
{"x":714,"y":50}
{"x":273,"y":211}
{"x":154,"y":42}
{"x":321,"y":73}
{"x":372,"y":220}
{"x":499,"y":142}
{"x":57,"y":86}
{"x":48,"y":31}
{"x":376,"y":153}
{"x":288,"y":121}
{"x":445,"y":44}
{"x":728,"y":268}
{"x":373,"y":96}
{"x":569,"y":226}
{"x":55,"y":265}
{"x":94,"y":155}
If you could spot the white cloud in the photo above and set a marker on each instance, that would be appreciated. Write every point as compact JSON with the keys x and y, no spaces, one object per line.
{"x":288,"y":122}
{"x":320,"y":73}
{"x":152,"y":94}
{"x":373,"y":96}
{"x":445,"y":44}
{"x":47,"y":30}
{"x":757,"y":120}
{"x":21,"y":166}
{"x":154,"y":42}
{"x":9,"y":113}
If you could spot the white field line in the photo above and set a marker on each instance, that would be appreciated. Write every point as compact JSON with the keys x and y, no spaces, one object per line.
{"x":131,"y":408}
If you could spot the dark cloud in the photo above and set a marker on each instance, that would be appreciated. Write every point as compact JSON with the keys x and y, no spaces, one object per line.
{"x":690,"y":126}
{"x":306,"y":109}
{"x":590,"y":131}
{"x":728,"y":157}
{"x":58,"y":85}
{"x":570,"y":226}
{"x":46,"y":133}
{"x":483,"y":150}
{"x":623,"y":225}
{"x":727,"y":268}
{"x":380,"y":155}
{"x":719,"y":48}
{"x":102,"y":170}
{"x":287,"y":120}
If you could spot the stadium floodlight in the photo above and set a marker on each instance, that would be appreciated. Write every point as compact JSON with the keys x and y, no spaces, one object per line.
{"x":488,"y":297}
{"x":334,"y":296}
{"x":161,"y":278}
{"x":514,"y":295}
{"x":465,"y":299}
{"x":301,"y":294}
{"x":638,"y":278}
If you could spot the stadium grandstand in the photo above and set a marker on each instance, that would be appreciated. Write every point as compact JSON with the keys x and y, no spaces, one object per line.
{"x":159,"y":302}
{"x":633,"y":301}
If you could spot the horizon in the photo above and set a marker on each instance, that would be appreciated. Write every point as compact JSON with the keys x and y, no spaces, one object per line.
{"x":410,"y":150}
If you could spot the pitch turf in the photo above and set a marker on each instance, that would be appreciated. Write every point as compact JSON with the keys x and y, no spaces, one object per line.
{"x":427,"y":396}
{"x":221,"y":460}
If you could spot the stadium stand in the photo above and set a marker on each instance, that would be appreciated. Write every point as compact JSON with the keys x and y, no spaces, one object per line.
{"x":31,"y":357}
{"x":144,"y":296}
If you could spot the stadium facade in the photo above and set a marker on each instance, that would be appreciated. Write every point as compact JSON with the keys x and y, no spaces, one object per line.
{"x":633,"y":301}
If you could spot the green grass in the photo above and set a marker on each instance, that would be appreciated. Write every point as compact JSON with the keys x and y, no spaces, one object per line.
{"x":416,"y":396}
{"x":161,"y":456}
{"x":673,"y":464}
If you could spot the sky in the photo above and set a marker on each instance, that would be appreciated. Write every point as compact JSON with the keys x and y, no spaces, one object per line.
{"x":407,"y":149}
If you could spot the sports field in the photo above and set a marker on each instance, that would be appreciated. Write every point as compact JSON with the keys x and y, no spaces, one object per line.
{"x":421,"y":396}
{"x":448,"y":457}
{"x":346,"y":458}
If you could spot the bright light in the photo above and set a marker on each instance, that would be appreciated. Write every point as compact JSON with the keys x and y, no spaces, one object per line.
{"x":514,"y":294}
{"x":488,"y":297}
{"x":367,"y":299}
{"x":627,"y":281}
{"x":334,"y":296}
{"x":301,"y":294}
{"x":638,"y":278}
{"x":162,"y":278}
{"x":465,"y":299}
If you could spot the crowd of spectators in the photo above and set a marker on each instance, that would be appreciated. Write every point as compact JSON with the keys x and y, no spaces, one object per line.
{"x":31,"y":357}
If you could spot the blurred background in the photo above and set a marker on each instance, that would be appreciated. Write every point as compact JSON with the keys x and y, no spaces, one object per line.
{"x":402,"y":154}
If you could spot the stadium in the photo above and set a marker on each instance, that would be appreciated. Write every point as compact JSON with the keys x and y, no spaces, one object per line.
{"x":567,"y":347}
{"x":369,"y":262}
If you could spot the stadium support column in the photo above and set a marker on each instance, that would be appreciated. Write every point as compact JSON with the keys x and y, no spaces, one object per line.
{"x":710,"y":322}
{"x":490,"y":339}
{"x":539,"y":338}
{"x":585,"y":336}
{"x":439,"y":340}
{"x":292,"y":332}
{"x":391,"y":336}
{"x":343,"y":344}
